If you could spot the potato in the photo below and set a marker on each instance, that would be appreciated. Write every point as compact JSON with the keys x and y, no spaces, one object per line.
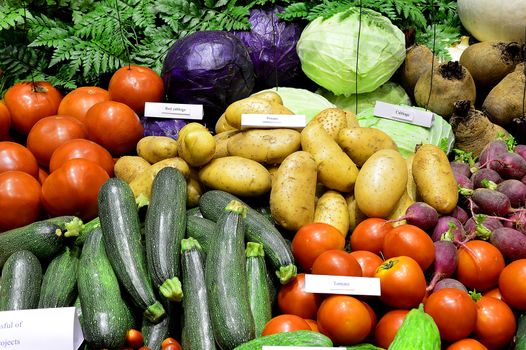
{"x":352,"y":121}
{"x":222,"y":125}
{"x":237,"y":175}
{"x":332,"y":120}
{"x":273,"y":169}
{"x":361,"y":143}
{"x":293,"y":191}
{"x":222,"y":142}
{"x":434,"y":178}
{"x":194,"y":190}
{"x":332,"y":209}
{"x":270,"y":96}
{"x":196,"y":145}
{"x":156,"y":148}
{"x":142,"y":184}
{"x":335,"y":169}
{"x":400,"y":209}
{"x":128,"y":167}
{"x":252,"y":105}
{"x":411,"y":185}
{"x":355,"y":215}
{"x":268,"y":146}
{"x":381,"y":182}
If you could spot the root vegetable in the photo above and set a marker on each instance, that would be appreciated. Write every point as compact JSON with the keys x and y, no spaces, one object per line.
{"x":420,"y":214}
{"x":510,"y":242}
{"x":485,"y":174}
{"x":481,"y":226}
{"x":460,"y":168}
{"x":509,"y":165}
{"x":445,"y":262}
{"x":450,"y":283}
{"x":417,"y":61}
{"x":449,"y":226}
{"x":515,"y":190}
{"x":460,"y":214}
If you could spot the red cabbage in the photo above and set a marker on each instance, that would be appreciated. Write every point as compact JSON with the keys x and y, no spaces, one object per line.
{"x":162,"y":127}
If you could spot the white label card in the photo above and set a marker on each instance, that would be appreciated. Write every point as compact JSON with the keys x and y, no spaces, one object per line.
{"x":263,"y":121}
{"x":268,"y":347}
{"x":347,"y":285}
{"x":404,"y":114}
{"x":57,"y":329}
{"x":173,"y":111}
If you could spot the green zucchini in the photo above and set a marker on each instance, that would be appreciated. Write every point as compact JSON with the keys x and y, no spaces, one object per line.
{"x":195,"y":211}
{"x":226,"y":280}
{"x":59,"y":285}
{"x":119,"y":221}
{"x":69,"y":224}
{"x":258,"y":288}
{"x":296,"y":338}
{"x":258,"y":229}
{"x":418,"y":331}
{"x":155,"y":333}
{"x":105,"y":316}
{"x":202,"y":230}
{"x":164,"y":228}
{"x":85,"y":230}
{"x":20,"y":284}
{"x":520,"y":336}
{"x":197,"y":329}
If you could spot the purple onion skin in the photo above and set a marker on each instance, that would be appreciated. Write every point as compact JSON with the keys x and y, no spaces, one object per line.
{"x":509,"y":165}
{"x":442,"y":227}
{"x":463,"y":181}
{"x":450,"y":283}
{"x":491,"y":202}
{"x":515,"y":190}
{"x":460,"y":168}
{"x":491,"y":151}
{"x":511,"y":243}
{"x":520,"y":150}
{"x":422,"y":215}
{"x":485,"y":174}
{"x":460,"y":214}
{"x":490,"y":223}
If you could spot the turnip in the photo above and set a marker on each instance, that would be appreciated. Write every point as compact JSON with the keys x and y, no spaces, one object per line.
{"x":460,"y":168}
{"x":509,"y":165}
{"x":510,"y":242}
{"x":460,"y":214}
{"x":491,"y":151}
{"x":417,"y":61}
{"x":450,"y":283}
{"x":421,"y":215}
{"x":445,"y":262}
{"x":515,"y":190}
{"x":463,"y":181}
{"x":481,"y":226}
{"x":448,"y":227}
{"x":491,"y":202}
{"x":485,"y":174}
{"x":517,"y":221}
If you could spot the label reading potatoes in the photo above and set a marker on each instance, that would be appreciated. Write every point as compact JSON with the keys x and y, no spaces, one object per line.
{"x":264,"y":121}
{"x":347,"y":285}
{"x":56,"y":328}
{"x":173,"y":110}
{"x":404,"y":114}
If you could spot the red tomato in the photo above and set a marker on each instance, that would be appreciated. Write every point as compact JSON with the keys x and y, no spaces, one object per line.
{"x":374,"y":319}
{"x":14,"y":156}
{"x":19,"y":199}
{"x":114,"y":126}
{"x":344,"y":319}
{"x":387,"y":327}
{"x":313,"y":239}
{"x":172,"y":347}
{"x":479,"y":265}
{"x":171,"y":342}
{"x":453,"y":311}
{"x":368,"y":261}
{"x":42,"y":175}
{"x":369,"y":235}
{"x":77,"y":102}
{"x":336,"y":262}
{"x":82,"y":148}
{"x":292,"y":299}
{"x":73,"y":188}
{"x":135,"y":85}
{"x":49,"y":133}
{"x":134,"y":338}
{"x":496,"y":323}
{"x":28,"y":103}
{"x":5,"y":121}
{"x":411,"y":241}
{"x":467,"y":344}
{"x":313,"y":324}
{"x":494,"y":293}
{"x":285,"y":323}
{"x":512,"y":284}
{"x":402,"y":281}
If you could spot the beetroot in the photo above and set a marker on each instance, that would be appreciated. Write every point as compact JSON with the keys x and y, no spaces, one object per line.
{"x":445,"y":262}
{"x":420,"y":214}
{"x":450,"y":283}
{"x":491,"y":151}
{"x":481,"y":226}
{"x":460,"y":168}
{"x":509,"y":165}
{"x":491,"y":202}
{"x":517,"y":221}
{"x":460,"y":214}
{"x":463,"y":181}
{"x":485,"y":174}
{"x":450,"y":226}
{"x":520,"y":150}
{"x":515,"y":190}
{"x":510,"y":242}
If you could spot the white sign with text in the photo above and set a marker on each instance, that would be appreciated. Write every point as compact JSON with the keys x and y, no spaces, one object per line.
{"x":269,"y":347}
{"x":173,"y":111}
{"x":404,"y":114}
{"x":328,"y":284}
{"x":288,"y":121}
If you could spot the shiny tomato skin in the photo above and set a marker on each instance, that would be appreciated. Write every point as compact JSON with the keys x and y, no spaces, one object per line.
{"x":512,"y":284}
{"x":134,"y":338}
{"x":374,"y":319}
{"x":313,"y":324}
{"x":14,"y":156}
{"x":77,"y":102}
{"x":402,"y":281}
{"x":336,"y":262}
{"x":114,"y":126}
{"x":292,"y":299}
{"x":28,"y":103}
{"x":467,"y":344}
{"x":412,"y":241}
{"x":20,"y":199}
{"x":494,"y":293}
{"x":73,"y":188}
{"x":313,"y":239}
{"x":5,"y":121}
{"x":496,"y":324}
{"x":42,"y":175}
{"x":134,"y":85}
{"x":480,"y":266}
{"x":171,"y":342}
{"x":388,"y":326}
{"x":172,"y":347}
{"x":285,"y":323}
{"x":370,"y":234}
{"x":368,"y":261}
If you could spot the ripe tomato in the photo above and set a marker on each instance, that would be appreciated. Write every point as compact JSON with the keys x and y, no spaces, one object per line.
{"x":114,"y":126}
{"x":313,"y":239}
{"x":19,"y":199}
{"x":82,"y":148}
{"x":292,"y":299}
{"x":374,"y":319}
{"x":285,"y":323}
{"x":480,"y":266}
{"x":42,"y":175}
{"x":77,"y":102}
{"x":369,"y":235}
{"x":387,"y":327}
{"x":494,"y":293}
{"x":313,"y":324}
{"x":134,"y":338}
{"x":135,"y":85}
{"x":14,"y":156}
{"x":171,"y":342}
{"x":172,"y":347}
{"x":496,"y":323}
{"x":402,"y":281}
{"x":467,"y":344}
{"x":336,"y":262}
{"x":49,"y":133}
{"x":28,"y":103}
{"x":73,"y":188}
{"x":5,"y":121}
{"x":344,"y":319}
{"x":368,"y":261}
{"x":453,"y":311}
{"x":512,"y":284}
{"x":411,"y":241}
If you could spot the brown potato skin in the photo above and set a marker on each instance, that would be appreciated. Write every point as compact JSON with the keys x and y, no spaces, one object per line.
{"x":331,"y":208}
{"x":355,"y":215}
{"x":361,"y":143}
{"x":332,"y":120}
{"x":251,"y":105}
{"x":128,"y":167}
{"x":222,"y":142}
{"x":222,"y":125}
{"x":156,"y":148}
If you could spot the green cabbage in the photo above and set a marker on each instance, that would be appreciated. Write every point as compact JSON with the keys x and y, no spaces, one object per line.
{"x":327,"y":51}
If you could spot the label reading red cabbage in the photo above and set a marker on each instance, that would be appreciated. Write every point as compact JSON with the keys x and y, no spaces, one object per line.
{"x":173,"y":110}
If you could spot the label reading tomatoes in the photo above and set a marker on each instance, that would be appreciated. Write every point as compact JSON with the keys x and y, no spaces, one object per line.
{"x":173,"y":110}
{"x":328,"y":284}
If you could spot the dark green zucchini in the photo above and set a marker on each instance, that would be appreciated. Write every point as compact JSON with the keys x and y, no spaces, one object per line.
{"x":202,"y":230}
{"x":296,"y":338}
{"x":119,"y":221}
{"x":226,"y":280}
{"x":164,"y":228}
{"x":520,"y":336}
{"x":59,"y":285}
{"x":195,"y":211}
{"x":105,"y":316}
{"x":20,"y":283}
{"x":258,"y":229}
{"x":69,"y":224}
{"x":85,"y":230}
{"x":155,"y":333}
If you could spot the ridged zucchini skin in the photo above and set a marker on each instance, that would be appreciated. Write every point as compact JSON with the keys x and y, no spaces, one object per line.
{"x":417,"y":332}
{"x":197,"y":329}
{"x":202,"y":230}
{"x":20,"y":283}
{"x":105,"y":316}
{"x":520,"y":336}
{"x":165,"y":227}
{"x":59,"y":284}
{"x":119,"y":221}
{"x":226,"y":280}
{"x":258,"y":229}
{"x":296,"y":338}
{"x":155,"y":333}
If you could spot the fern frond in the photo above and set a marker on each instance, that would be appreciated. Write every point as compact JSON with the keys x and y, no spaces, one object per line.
{"x":52,"y":37}
{"x":12,"y":17}
{"x":235,"y":18}
{"x":144,"y":14}
{"x":295,"y":11}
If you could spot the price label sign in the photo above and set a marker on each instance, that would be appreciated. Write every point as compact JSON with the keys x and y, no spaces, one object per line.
{"x":404,"y":114}
{"x":264,"y":121}
{"x":347,"y":285}
{"x":173,"y":111}
{"x":268,"y":347}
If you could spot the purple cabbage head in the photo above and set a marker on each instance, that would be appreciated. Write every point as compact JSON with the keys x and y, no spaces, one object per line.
{"x":162,"y":127}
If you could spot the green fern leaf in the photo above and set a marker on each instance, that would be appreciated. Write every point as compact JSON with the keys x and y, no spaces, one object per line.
{"x":52,"y":37}
{"x":12,"y":16}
